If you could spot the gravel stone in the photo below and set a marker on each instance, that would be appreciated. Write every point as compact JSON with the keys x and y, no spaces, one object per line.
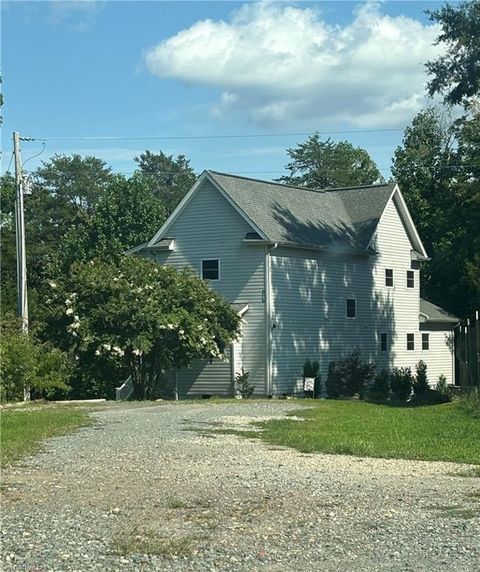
{"x":150,"y":488}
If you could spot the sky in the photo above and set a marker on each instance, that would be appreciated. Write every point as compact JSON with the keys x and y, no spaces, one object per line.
{"x":173,"y":76}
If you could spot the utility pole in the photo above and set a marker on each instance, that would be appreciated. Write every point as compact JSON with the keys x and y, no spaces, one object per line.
{"x":20,"y":242}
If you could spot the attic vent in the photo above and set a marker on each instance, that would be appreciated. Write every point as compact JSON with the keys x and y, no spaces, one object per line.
{"x":252,"y":236}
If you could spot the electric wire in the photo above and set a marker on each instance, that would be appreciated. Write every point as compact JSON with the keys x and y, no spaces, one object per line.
{"x":224,"y":136}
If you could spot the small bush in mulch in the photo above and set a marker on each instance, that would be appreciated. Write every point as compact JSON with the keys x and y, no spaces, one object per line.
{"x":429,"y":397}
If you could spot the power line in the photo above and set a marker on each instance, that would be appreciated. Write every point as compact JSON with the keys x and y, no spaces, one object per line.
{"x":226,"y":136}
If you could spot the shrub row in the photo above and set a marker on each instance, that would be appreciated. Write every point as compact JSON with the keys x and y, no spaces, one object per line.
{"x":350,"y":376}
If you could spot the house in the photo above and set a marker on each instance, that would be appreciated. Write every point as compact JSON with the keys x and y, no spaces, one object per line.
{"x":314,"y":274}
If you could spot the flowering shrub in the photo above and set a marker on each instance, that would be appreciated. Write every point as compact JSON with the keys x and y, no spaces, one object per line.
{"x":146,"y":317}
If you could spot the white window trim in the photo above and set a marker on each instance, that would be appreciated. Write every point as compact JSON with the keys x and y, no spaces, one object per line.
{"x":413,"y":278}
{"x":201,"y":269}
{"x":428,"y":341}
{"x":413,"y":349}
{"x":393,"y":278}
{"x":346,"y":309}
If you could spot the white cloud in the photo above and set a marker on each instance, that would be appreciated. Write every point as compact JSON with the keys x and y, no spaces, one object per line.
{"x":284,"y":64}
{"x":79,"y":15}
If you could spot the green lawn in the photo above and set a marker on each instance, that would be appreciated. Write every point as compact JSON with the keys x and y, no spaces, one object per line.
{"x":433,"y":433}
{"x":23,"y":430}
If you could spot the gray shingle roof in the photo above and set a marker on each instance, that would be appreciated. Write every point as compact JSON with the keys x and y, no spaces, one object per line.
{"x":435,"y":313}
{"x":347,"y":216}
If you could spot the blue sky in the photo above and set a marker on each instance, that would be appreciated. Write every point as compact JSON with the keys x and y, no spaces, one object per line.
{"x":85,"y":69}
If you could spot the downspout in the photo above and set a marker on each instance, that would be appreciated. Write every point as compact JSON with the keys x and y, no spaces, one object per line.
{"x":268,"y":321}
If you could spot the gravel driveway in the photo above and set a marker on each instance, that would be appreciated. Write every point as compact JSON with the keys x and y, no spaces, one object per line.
{"x":154,"y":479}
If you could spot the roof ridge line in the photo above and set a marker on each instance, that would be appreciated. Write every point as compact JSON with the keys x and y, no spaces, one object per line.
{"x":278,"y":184}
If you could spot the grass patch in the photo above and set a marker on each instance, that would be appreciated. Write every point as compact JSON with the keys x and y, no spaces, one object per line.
{"x":147,"y":542}
{"x":434,"y":433}
{"x":24,"y":429}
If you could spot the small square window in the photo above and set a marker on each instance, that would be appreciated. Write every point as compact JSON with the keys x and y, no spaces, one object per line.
{"x":211,"y":269}
{"x":425,"y":341}
{"x":351,"y":308}
{"x":388,"y":277}
{"x":410,"y":279}
{"x":383,"y":342}
{"x":410,"y":342}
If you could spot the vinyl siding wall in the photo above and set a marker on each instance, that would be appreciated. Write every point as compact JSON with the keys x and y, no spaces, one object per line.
{"x":209,"y":227}
{"x":309,"y":290}
{"x":439,"y":358}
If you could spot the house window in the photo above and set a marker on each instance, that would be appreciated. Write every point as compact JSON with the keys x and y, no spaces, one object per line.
{"x":351,"y":308}
{"x":410,"y":279}
{"x":383,"y":342}
{"x":211,"y":269}
{"x":425,"y":341}
{"x":410,"y":342}
{"x":388,"y":277}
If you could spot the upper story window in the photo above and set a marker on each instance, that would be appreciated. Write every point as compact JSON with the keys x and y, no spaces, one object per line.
{"x":351,"y":308}
{"x":388,"y":277}
{"x":383,"y":342}
{"x":211,"y":269}
{"x":410,"y":279}
{"x":425,"y":341}
{"x":410,"y":342}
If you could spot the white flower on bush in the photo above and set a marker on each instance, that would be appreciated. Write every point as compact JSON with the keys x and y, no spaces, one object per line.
{"x":52,"y":284}
{"x":69,"y":311}
{"x":68,"y":302}
{"x":118,"y":351}
{"x":115,"y":279}
{"x":73,"y":327}
{"x":200,"y":327}
{"x":137,"y":352}
{"x":181,"y":332}
{"x":108,"y":347}
{"x":76,"y":318}
{"x":97,"y":352}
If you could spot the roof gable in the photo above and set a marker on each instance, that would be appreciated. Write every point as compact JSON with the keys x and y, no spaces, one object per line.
{"x":299,"y":216}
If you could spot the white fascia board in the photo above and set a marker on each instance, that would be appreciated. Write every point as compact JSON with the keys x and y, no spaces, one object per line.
{"x":240,"y":211}
{"x":183,"y":203}
{"x":409,"y":222}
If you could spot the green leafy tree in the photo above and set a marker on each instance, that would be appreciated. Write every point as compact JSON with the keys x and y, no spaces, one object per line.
{"x":145,"y":317}
{"x":456,"y":74}
{"x":8,"y":268}
{"x":438,"y":170}
{"x":170,"y":178}
{"x":321,"y":164}
{"x":421,"y":166}
{"x":125,"y":216}
{"x":27,"y":363}
{"x":62,"y":193}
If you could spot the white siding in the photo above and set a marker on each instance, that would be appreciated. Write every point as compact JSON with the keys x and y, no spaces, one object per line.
{"x":209,"y":227}
{"x":309,"y":290}
{"x":439,"y":358}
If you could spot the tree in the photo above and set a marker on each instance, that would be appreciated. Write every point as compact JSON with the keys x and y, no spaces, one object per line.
{"x":321,"y":164}
{"x":146,"y":317}
{"x":64,"y":192}
{"x":421,"y":167}
{"x":8,"y":260}
{"x":437,"y":168}
{"x":125,"y":216}
{"x":27,"y":363}
{"x":170,"y":178}
{"x":456,"y":74}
